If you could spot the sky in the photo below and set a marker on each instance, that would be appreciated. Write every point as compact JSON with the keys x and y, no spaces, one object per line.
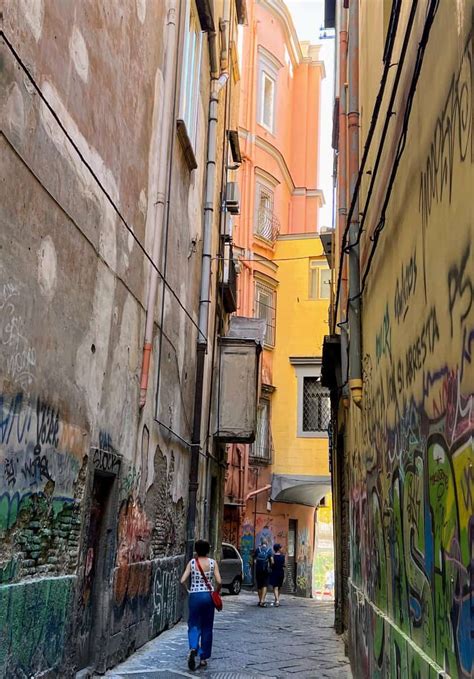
{"x":308,"y":17}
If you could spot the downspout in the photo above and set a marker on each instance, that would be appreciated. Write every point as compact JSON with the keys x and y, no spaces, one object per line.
{"x":355,"y":362}
{"x":169,"y":93}
{"x":254,"y":493}
{"x":204,"y":305}
{"x":342,"y":186}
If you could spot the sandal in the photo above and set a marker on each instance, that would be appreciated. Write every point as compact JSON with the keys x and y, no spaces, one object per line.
{"x":192,"y":659}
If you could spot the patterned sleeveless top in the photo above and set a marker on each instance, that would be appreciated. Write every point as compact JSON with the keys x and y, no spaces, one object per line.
{"x":197,"y":581}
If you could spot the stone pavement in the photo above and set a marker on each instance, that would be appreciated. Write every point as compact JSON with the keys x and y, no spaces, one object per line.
{"x":295,"y":640}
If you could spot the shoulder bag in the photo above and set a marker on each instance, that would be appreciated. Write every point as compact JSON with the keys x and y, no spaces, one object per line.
{"x":215,"y":596}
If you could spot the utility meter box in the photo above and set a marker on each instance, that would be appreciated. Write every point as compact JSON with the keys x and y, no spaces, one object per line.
{"x":238,"y":386}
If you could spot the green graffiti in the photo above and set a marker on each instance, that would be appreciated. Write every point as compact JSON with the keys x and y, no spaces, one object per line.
{"x":33,"y":623}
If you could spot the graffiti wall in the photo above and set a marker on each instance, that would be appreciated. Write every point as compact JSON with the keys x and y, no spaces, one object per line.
{"x":410,"y":450}
{"x":34,"y":623}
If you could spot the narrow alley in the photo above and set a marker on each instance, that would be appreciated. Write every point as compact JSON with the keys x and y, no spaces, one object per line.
{"x":295,"y":640}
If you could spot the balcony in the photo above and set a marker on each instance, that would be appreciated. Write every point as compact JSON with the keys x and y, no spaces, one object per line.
{"x":268,"y":225}
{"x":228,"y":286}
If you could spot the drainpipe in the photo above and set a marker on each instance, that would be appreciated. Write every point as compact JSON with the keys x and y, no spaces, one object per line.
{"x":254,"y":493}
{"x":204,"y":306}
{"x":355,"y":362}
{"x":246,"y":481}
{"x":169,"y":94}
{"x":342,"y":186}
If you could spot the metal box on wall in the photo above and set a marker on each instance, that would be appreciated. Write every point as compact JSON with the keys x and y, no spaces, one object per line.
{"x":238,"y":385}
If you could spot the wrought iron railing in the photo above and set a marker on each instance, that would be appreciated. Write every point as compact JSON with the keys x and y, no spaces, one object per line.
{"x":268,"y":224}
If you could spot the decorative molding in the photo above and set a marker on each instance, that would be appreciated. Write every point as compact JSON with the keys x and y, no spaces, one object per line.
{"x":278,"y":156}
{"x":306,"y":360}
{"x":260,"y":173}
{"x":299,"y":236}
{"x":263,"y":278}
{"x":282,"y":13}
{"x":267,"y":57}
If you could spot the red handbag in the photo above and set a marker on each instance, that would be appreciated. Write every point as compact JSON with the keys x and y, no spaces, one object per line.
{"x":215,"y":596}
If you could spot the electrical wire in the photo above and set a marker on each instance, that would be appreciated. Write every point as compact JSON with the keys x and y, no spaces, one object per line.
{"x":388,"y":117}
{"x":93,"y":174}
{"x":430,"y":16}
{"x":393,"y":26}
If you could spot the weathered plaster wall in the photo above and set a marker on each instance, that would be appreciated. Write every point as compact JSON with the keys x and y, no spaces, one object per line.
{"x":410,"y":450}
{"x":73,"y":285}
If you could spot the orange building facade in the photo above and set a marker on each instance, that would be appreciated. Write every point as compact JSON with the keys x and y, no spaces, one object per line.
{"x":274,"y":486}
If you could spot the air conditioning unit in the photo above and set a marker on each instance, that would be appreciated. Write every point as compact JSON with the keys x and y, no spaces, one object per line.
{"x":232,"y":198}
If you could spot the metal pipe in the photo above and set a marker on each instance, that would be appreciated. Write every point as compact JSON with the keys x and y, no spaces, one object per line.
{"x":342,"y":183}
{"x":169,"y":93}
{"x":355,"y":360}
{"x":204,"y":305}
{"x":254,"y":493}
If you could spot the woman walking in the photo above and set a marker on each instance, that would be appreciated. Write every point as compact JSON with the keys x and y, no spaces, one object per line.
{"x":278,"y":572}
{"x":204,"y":572}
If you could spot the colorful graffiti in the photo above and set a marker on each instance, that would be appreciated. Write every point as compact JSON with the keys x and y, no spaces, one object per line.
{"x":247,"y":548}
{"x":148,"y":592}
{"x":34,"y":620}
{"x":134,"y":533}
{"x":411,"y":455}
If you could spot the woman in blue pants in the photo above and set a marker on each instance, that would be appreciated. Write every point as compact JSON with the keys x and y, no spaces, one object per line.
{"x":201,"y":606}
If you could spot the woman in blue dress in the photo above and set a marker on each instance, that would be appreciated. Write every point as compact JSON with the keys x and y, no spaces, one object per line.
{"x":278,"y":572}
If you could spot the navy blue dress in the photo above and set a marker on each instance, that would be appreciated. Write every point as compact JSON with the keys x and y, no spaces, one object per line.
{"x":278,"y":570}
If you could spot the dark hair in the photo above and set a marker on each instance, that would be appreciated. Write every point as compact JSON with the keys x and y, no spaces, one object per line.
{"x":276,"y":547}
{"x":202,"y":547}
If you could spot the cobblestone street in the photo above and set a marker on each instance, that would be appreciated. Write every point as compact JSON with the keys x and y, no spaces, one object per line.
{"x":295,"y":640}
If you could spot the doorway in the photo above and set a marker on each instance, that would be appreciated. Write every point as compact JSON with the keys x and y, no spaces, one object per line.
{"x":95,"y":571}
{"x":289,"y":585}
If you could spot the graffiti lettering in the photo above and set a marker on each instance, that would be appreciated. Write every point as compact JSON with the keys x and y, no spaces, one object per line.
{"x":106,"y":461}
{"x":460,"y":287}
{"x":451,"y":139}
{"x":423,"y":345}
{"x":383,"y":340}
{"x":405,"y":288}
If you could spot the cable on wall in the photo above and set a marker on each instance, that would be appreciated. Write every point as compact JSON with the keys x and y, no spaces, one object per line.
{"x":94,"y":175}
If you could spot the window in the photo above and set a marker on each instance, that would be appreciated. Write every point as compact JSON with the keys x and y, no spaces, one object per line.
{"x":190,"y":74}
{"x":229,"y":552}
{"x":316,"y":407}
{"x":264,"y":221}
{"x":265,"y":301}
{"x":267,"y":101}
{"x":261,"y":448}
{"x":319,"y":280}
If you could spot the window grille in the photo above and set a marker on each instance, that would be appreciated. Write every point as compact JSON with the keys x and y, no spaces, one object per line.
{"x":265,"y":309}
{"x":267,"y":225}
{"x":316,"y":405}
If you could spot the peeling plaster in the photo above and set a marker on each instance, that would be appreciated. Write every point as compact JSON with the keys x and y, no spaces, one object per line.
{"x":33,"y":11}
{"x":15,"y":110}
{"x":47,"y":268}
{"x":141,"y":10}
{"x":91,"y":367}
{"x":107,"y":236}
{"x":79,"y":54}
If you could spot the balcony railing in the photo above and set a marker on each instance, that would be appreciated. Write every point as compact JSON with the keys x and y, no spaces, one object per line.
{"x":268,"y":225}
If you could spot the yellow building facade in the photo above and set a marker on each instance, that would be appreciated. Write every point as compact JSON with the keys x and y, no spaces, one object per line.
{"x":404,"y":459}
